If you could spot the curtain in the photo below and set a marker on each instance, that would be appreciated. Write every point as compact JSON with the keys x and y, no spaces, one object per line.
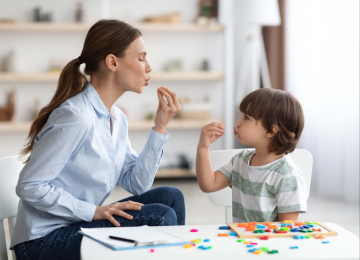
{"x":322,"y":71}
{"x":274,"y":40}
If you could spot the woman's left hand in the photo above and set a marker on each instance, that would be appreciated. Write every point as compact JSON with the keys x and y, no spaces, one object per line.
{"x":165,"y":112}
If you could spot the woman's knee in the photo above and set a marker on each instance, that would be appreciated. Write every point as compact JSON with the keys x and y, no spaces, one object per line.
{"x":171,"y":192}
{"x":166,"y":213}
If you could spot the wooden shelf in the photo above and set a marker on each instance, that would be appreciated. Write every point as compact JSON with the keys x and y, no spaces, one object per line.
{"x":175,"y":173}
{"x":187,"y":76}
{"x":155,"y":76}
{"x":80,"y":27}
{"x":28,"y":77}
{"x":177,"y":124}
{"x":14,"y":127}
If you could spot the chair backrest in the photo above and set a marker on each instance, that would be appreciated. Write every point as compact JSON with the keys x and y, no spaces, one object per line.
{"x":302,"y":158}
{"x":10,"y":168}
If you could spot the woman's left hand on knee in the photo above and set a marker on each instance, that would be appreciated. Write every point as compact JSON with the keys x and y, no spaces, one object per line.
{"x":107,"y":212}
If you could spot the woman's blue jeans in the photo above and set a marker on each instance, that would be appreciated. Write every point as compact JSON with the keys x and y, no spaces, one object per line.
{"x":163,"y":206}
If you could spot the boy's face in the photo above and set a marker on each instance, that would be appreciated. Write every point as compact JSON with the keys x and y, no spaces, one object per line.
{"x":251,"y":132}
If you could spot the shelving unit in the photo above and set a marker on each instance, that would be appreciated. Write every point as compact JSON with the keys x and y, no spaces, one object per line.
{"x":185,"y":29}
{"x":80,"y":27}
{"x":175,"y":173}
{"x":170,"y":76}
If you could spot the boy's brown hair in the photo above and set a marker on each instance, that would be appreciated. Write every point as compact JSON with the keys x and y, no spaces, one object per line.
{"x":276,"y":107}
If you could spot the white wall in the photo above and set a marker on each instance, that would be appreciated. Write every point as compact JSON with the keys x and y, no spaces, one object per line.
{"x":323,"y":73}
{"x":241,"y":33}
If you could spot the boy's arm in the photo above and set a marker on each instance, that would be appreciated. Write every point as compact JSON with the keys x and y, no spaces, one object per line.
{"x":209,"y":181}
{"x":294,"y":216}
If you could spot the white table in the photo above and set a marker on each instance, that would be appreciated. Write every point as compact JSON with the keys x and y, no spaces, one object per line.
{"x":343,"y":246}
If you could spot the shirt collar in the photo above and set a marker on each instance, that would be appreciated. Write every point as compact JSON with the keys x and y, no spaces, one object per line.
{"x":97,"y":103}
{"x":114,"y":112}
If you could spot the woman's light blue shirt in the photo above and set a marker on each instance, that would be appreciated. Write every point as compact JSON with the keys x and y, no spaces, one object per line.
{"x":76,"y":163}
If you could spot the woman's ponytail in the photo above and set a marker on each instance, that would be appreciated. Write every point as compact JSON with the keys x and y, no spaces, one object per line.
{"x":71,"y":82}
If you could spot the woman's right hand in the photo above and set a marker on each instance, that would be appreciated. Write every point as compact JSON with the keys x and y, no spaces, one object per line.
{"x":210,"y":133}
{"x":107,"y":212}
{"x":165,"y":111}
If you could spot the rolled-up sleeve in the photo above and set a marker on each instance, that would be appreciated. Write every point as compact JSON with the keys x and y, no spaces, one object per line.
{"x":291,"y":194}
{"x":138,"y":172}
{"x":59,"y":139}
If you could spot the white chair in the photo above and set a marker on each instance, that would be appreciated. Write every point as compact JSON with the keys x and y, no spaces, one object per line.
{"x":10,"y":168}
{"x":302,"y":158}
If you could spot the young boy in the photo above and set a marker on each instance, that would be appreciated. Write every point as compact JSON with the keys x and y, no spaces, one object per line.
{"x":266,"y":184}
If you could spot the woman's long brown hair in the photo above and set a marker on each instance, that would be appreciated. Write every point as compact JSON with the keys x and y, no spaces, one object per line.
{"x":104,"y":37}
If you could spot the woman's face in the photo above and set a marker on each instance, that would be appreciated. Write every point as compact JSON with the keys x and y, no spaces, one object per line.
{"x":132,"y":73}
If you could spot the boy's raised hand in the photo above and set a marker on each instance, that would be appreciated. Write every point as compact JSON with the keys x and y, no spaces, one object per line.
{"x":210,"y":133}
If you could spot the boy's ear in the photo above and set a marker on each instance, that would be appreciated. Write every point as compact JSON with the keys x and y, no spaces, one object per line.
{"x":274,"y":130}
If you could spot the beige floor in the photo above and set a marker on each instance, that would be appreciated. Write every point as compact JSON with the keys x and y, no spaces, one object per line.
{"x":199,"y":209}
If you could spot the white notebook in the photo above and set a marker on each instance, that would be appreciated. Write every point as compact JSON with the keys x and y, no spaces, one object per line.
{"x":140,"y":234}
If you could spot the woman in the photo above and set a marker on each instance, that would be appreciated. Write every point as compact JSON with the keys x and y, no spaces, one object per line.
{"x":80,"y":150}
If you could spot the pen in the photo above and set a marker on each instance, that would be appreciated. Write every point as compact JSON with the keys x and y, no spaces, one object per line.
{"x":123,"y":239}
{"x":152,"y":243}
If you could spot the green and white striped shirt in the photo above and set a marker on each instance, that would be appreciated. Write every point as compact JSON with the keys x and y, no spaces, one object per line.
{"x":259,"y":193}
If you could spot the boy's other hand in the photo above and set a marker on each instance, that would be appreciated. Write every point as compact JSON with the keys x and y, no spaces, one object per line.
{"x":210,"y":133}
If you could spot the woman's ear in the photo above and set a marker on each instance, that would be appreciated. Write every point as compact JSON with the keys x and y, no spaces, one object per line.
{"x":274,"y":130}
{"x":111,"y":62}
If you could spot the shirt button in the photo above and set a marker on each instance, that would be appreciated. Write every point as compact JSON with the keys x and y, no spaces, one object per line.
{"x":112,"y":165}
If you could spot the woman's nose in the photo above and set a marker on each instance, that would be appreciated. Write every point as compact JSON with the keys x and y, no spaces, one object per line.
{"x":148,"y":68}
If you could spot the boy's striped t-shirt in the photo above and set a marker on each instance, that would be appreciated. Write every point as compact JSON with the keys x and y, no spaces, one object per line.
{"x":259,"y":193}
